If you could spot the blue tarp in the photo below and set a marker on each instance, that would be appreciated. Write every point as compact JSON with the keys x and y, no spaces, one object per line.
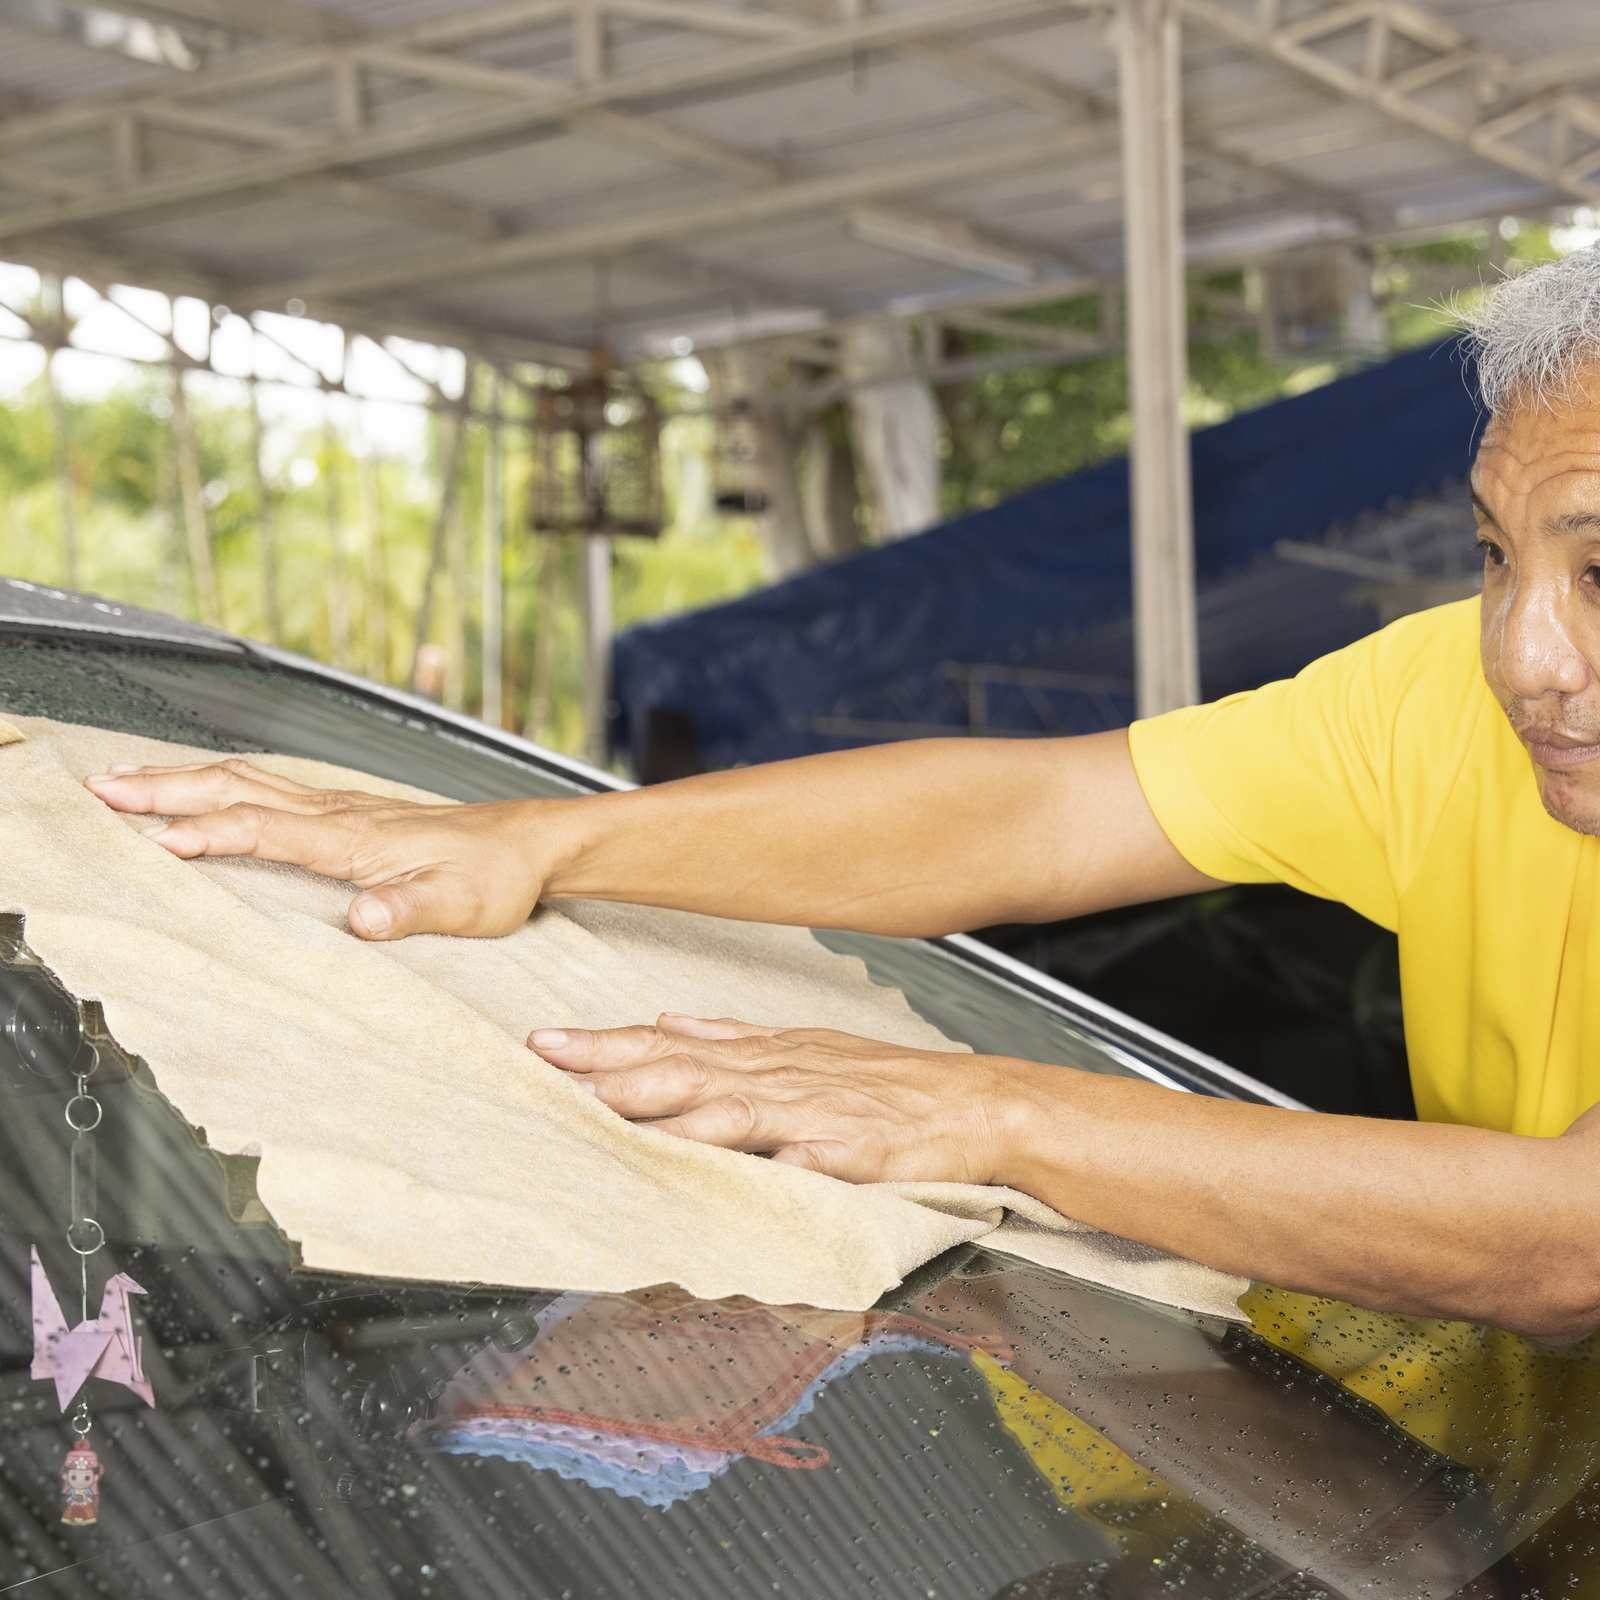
{"x":1044,"y":578}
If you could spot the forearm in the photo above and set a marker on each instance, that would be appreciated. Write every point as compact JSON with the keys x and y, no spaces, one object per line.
{"x":919,"y":838}
{"x":1432,"y":1219}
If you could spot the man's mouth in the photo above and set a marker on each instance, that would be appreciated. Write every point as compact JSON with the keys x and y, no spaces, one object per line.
{"x":1558,"y":750}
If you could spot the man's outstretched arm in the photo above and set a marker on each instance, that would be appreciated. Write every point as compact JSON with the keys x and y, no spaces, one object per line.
{"x":1427,"y":1218}
{"x":927,"y":837}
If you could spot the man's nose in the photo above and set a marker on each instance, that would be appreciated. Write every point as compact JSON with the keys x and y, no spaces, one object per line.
{"x":1538,"y":652}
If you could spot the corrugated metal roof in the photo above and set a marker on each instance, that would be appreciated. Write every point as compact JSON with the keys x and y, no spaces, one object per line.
{"x":688,"y":138}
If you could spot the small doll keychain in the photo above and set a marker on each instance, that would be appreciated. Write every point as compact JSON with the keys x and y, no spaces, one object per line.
{"x":80,"y":1475}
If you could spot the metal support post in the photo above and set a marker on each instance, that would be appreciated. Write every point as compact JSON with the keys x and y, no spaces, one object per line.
{"x":494,"y":534}
{"x":596,"y":646}
{"x":1149,"y":64}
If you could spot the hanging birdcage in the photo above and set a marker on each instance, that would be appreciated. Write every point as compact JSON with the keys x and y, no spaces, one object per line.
{"x":738,"y":487}
{"x":597,"y":449}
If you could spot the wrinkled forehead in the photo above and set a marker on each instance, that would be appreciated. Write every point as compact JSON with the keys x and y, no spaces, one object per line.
{"x":1541,"y":458}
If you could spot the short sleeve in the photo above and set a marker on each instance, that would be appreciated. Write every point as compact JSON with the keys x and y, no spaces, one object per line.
{"x":1332,"y":781}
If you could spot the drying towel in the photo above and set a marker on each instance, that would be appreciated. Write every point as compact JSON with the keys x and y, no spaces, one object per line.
{"x":402,"y":1127}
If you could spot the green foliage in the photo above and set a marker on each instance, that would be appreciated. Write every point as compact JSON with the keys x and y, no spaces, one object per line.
{"x":354,"y":539}
{"x":343,"y":598}
{"x":1010,"y":430}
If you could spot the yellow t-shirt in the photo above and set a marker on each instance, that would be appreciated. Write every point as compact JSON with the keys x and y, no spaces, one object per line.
{"x":1386,"y":776}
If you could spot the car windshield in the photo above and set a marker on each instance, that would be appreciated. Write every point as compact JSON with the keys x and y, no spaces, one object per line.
{"x":990,"y":1429}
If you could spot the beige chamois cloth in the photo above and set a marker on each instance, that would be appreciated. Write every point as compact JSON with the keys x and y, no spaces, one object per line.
{"x":403,"y":1128}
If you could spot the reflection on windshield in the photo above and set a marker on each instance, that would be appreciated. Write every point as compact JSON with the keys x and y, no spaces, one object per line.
{"x":654,"y":1394}
{"x":1524,"y":1417}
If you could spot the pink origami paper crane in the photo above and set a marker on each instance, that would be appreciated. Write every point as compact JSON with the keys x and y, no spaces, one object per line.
{"x":105,"y":1348}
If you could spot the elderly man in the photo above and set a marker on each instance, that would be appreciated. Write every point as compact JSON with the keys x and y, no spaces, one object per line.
{"x":1442,"y":777}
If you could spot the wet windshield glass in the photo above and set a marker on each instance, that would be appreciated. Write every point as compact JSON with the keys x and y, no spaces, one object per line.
{"x":246,"y":1428}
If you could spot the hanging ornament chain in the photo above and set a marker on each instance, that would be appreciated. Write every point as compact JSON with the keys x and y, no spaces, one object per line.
{"x":81,"y":1471}
{"x":84,"y":1233}
{"x":80,"y":1474}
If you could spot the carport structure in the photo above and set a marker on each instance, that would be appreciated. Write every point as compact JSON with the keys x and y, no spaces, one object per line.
{"x":531,"y":180}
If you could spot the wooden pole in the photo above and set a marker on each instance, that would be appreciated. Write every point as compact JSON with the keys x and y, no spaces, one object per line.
{"x":894,"y":428}
{"x":338,"y":565}
{"x":63,"y":472}
{"x":596,"y":646}
{"x":377,"y":584}
{"x":441,"y":533}
{"x":54,"y":336}
{"x":266,"y":525}
{"x":187,"y":447}
{"x":1150,"y":65}
{"x":494,"y":536}
{"x":168,"y":513}
{"x":537,"y":723}
{"x":455,"y":612}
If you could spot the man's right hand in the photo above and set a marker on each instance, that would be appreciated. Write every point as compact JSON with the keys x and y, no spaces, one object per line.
{"x":421,"y":868}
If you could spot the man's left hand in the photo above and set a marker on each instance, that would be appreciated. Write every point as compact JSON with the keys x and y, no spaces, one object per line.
{"x":853,"y":1108}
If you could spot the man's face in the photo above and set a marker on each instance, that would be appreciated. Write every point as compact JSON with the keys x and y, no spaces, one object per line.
{"x":1536,"y":486}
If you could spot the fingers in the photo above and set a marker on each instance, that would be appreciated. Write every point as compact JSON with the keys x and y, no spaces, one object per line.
{"x":197,"y":790}
{"x":703,"y":1091}
{"x":641,"y":1073}
{"x":318,"y":842}
{"x":437,"y":900}
{"x":601,"y":1050}
{"x":707,"y":1028}
{"x":855,"y":1109}
{"x":747,"y":1122}
{"x":610,"y":1049}
{"x":422,"y":869}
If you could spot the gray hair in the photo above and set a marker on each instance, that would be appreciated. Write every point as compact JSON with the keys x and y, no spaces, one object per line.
{"x":1532,"y":334}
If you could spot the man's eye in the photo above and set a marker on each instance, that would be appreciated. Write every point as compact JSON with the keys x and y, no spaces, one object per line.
{"x":1495,"y":556}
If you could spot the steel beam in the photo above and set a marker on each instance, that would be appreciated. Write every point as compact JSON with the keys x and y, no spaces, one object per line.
{"x":262,"y":19}
{"x":1480,"y":76}
{"x":509,"y":113}
{"x":100,"y":268}
{"x":680,"y":222}
{"x":950,"y":240}
{"x":1166,"y":636}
